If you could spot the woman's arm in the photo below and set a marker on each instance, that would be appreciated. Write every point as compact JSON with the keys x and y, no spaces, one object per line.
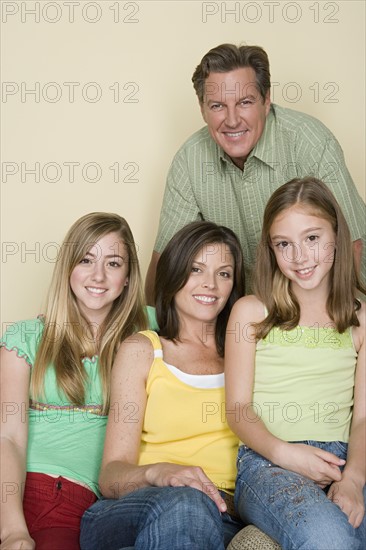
{"x":120,"y":473}
{"x":240,"y":348}
{"x":348,"y":493}
{"x":15,"y":377}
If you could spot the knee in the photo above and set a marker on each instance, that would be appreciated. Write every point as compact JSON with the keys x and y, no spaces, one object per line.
{"x":186,"y":503}
{"x":328,"y":532}
{"x":193,"y":517}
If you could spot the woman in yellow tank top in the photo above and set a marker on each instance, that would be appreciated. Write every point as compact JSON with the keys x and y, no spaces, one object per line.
{"x":169,"y":460}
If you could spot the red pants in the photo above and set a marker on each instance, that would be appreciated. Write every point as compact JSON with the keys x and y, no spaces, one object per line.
{"x":53,"y":508}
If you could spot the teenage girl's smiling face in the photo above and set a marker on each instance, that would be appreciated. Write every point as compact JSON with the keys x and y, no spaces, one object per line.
{"x":100,"y":277}
{"x":303,"y":244}
{"x":209,"y":284}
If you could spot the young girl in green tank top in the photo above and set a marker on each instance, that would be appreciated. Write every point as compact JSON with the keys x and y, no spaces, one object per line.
{"x":295,"y":377}
{"x":55,"y":378}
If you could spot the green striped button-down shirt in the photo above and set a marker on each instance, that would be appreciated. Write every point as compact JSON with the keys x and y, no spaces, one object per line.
{"x":203,"y":182}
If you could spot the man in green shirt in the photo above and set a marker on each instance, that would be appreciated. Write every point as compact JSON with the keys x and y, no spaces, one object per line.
{"x":227,"y":171}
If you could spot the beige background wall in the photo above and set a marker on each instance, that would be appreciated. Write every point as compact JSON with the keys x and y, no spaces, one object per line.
{"x":111,"y":88}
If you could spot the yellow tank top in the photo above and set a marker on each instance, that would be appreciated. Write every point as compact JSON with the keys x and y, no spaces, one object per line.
{"x":185,"y":421}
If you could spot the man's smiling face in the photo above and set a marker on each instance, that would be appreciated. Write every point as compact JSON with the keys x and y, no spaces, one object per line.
{"x":235,"y":112}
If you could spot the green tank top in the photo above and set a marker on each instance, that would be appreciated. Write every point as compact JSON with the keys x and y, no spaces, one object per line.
{"x":62,"y":439}
{"x":304,"y":383}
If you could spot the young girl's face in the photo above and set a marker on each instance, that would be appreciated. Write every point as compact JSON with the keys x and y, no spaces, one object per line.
{"x":100,"y":277}
{"x":209,"y":285}
{"x":304,"y":247}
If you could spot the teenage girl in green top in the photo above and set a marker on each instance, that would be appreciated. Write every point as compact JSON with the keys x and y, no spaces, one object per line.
{"x":295,"y":377}
{"x":55,"y":376}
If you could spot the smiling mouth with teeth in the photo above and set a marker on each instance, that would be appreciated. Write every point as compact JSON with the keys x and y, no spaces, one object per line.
{"x":306,"y":270}
{"x":96,"y":290}
{"x":235,"y":134}
{"x":206,"y":299}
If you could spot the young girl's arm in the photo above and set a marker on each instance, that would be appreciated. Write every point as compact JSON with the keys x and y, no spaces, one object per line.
{"x":240,"y":348}
{"x":120,"y":473}
{"x":15,"y":377}
{"x":348,"y":493}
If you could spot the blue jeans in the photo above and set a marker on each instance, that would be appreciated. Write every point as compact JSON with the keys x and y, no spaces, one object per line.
{"x":157,"y":518}
{"x":291,"y":508}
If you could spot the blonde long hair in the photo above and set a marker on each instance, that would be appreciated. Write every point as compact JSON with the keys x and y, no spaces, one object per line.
{"x":67,"y":337}
{"x":274,"y":289}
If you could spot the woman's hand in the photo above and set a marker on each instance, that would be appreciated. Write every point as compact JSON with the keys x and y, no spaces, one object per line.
{"x":348,"y":495}
{"x":318,"y":465}
{"x":166,"y":474}
{"x":18,"y":541}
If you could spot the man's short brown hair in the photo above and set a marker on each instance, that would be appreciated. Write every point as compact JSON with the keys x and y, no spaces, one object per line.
{"x":228,"y":57}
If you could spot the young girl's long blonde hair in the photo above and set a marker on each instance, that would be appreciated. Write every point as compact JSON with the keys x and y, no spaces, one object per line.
{"x":274,"y":289}
{"x":67,"y":336}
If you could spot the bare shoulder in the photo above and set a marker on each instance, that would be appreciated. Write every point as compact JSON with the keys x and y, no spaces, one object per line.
{"x":136,"y":353}
{"x":246,"y":313}
{"x":249,"y":309}
{"x":137,"y":344}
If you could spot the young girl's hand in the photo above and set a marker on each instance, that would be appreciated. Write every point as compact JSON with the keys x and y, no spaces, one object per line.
{"x":349,"y":497}
{"x":316,"y":464}
{"x":17,"y":541}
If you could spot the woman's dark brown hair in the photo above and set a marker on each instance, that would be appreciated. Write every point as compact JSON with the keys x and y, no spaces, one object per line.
{"x":174,"y":268}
